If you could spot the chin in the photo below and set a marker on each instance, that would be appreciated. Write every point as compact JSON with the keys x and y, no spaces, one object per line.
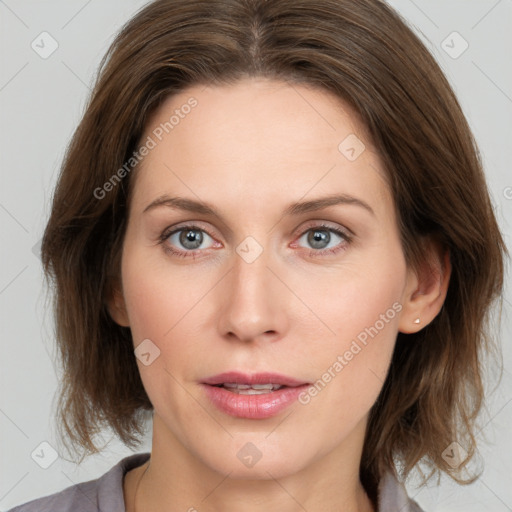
{"x":251,"y":457}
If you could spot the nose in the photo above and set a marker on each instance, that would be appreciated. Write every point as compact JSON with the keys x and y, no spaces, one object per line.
{"x":254,"y":301}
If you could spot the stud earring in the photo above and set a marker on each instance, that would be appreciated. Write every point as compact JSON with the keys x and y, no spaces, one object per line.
{"x":417,"y":321}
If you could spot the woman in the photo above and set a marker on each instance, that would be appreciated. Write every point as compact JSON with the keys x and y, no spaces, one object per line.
{"x":271,"y":232}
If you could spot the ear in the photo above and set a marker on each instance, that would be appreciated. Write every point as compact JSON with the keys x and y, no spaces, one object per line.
{"x":426,"y":288}
{"x":116,"y":304}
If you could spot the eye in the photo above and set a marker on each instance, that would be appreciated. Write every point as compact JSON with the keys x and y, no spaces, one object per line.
{"x":188,"y":239}
{"x":321,"y":239}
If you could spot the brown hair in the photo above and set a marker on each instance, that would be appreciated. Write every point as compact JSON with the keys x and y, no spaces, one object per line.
{"x":363,"y":52}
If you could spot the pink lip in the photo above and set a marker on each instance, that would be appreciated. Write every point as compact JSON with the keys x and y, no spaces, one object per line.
{"x":253,"y":406}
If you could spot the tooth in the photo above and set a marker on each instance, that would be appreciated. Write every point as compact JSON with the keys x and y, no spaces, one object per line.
{"x":236,"y":386}
{"x":251,"y":389}
{"x":249,"y":386}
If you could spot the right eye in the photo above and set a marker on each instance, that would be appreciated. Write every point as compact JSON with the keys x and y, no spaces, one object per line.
{"x":189,"y":237}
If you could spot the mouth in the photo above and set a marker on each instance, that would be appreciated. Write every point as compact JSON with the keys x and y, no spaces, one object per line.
{"x":252,"y":396}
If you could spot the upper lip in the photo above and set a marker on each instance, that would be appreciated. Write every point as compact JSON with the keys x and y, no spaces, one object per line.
{"x":254,"y":378}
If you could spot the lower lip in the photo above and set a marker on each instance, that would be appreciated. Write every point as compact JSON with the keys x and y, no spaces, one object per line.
{"x":253,"y":407}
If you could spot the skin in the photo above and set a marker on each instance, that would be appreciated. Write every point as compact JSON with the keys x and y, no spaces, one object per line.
{"x":249,"y":150}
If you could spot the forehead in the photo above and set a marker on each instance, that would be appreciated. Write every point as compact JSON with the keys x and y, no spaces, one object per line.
{"x":256,"y":140}
{"x":262,"y":109}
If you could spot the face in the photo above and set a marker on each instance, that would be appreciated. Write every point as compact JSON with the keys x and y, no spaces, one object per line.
{"x":254,"y":285}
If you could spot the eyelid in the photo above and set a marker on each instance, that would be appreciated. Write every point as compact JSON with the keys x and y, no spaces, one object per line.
{"x":319,"y":223}
{"x":167,"y":232}
{"x":311,"y":224}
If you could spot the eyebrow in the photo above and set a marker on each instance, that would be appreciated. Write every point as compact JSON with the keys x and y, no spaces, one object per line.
{"x":190,"y":205}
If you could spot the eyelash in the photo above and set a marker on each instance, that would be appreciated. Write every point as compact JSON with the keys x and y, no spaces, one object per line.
{"x":192,"y":254}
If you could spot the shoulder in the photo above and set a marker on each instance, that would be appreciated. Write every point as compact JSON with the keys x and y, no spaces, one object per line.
{"x":104,"y":493}
{"x":393,"y":496}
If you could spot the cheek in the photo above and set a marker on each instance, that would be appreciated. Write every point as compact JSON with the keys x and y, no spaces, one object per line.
{"x":156,"y":299}
{"x":357,"y":298}
{"x":360,"y":313}
{"x":159,"y":309}
{"x":165,"y":305}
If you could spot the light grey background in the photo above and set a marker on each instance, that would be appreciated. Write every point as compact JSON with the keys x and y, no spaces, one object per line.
{"x":41,"y":102}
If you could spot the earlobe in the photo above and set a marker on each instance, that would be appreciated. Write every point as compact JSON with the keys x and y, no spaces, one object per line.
{"x":116,"y":305}
{"x":426,"y":290}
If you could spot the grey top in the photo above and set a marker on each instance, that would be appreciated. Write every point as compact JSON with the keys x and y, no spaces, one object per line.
{"x":105,"y":494}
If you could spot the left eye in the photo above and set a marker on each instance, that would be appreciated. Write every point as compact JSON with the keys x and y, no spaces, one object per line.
{"x":318,"y":237}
